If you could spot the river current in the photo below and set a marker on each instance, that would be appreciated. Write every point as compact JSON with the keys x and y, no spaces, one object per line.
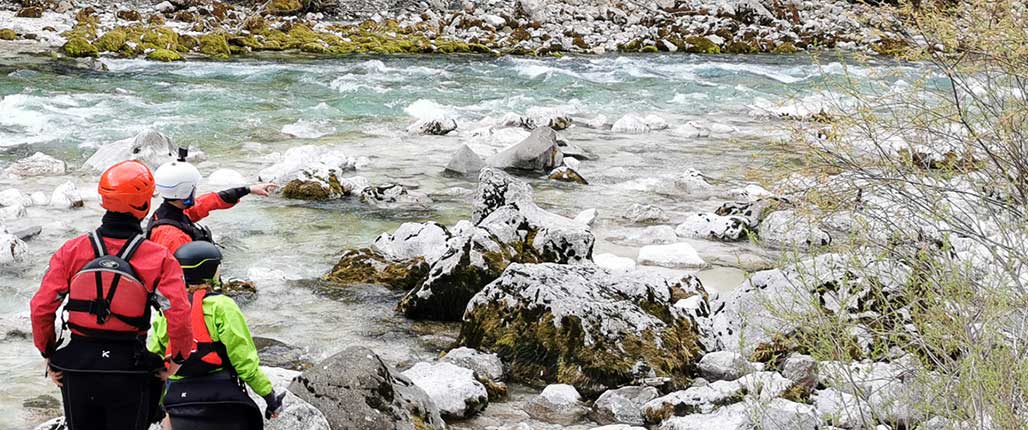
{"x":723,"y":116}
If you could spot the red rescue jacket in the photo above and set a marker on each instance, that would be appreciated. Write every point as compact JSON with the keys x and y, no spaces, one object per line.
{"x":173,"y":237}
{"x":154,"y":265}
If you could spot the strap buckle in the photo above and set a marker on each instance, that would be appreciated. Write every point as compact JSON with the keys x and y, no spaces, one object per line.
{"x":102,"y":309}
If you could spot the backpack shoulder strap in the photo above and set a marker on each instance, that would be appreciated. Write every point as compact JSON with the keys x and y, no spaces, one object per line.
{"x":131,"y":246}
{"x":97,"y":242}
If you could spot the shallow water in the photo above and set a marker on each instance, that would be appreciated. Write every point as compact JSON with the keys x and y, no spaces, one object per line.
{"x":360,"y":106}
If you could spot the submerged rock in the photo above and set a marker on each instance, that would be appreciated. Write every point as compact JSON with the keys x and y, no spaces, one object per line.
{"x":454,"y":389}
{"x":557,"y":404}
{"x":38,"y":164}
{"x":392,"y":196}
{"x":150,"y":147}
{"x":275,"y":353}
{"x":538,"y":152}
{"x":644,"y":214}
{"x":630,"y":124}
{"x":355,"y":389}
{"x":366,"y":266}
{"x":585,"y":326}
{"x":226,"y":178}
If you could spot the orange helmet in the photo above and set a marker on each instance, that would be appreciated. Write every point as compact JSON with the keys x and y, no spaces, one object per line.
{"x":127,"y":187}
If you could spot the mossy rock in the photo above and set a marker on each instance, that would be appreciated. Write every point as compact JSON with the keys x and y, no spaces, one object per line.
{"x":187,"y":43}
{"x":649,"y":49}
{"x":284,"y":7}
{"x":112,"y":41}
{"x":129,"y":15}
{"x":314,"y":48}
{"x":890,"y":47}
{"x":631,"y":46}
{"x":240,"y":290}
{"x":79,"y":47}
{"x":364,"y":266}
{"x":7,"y":34}
{"x":214,"y":45}
{"x":740,"y":48}
{"x":785,"y":48}
{"x":700,"y":45}
{"x":526,"y":318}
{"x":165,"y":55}
{"x":30,"y":12}
{"x":313,"y":190}
{"x":155,"y":19}
{"x":159,"y":38}
{"x":185,"y":16}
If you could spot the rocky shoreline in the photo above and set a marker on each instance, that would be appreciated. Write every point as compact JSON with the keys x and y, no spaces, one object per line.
{"x":173,"y":30}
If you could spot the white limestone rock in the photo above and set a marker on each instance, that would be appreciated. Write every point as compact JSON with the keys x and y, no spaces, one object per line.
{"x":465,"y":161}
{"x":765,"y":385}
{"x":40,"y":198}
{"x":296,"y":413}
{"x":10,"y":213}
{"x":623,"y":405}
{"x":842,"y":409}
{"x":733,"y":417}
{"x":677,"y":255}
{"x":787,"y":230}
{"x":66,"y":196}
{"x":631,"y":124}
{"x":485,"y":364}
{"x":800,"y":368}
{"x":557,"y":404}
{"x":308,"y":163}
{"x":38,"y":164}
{"x":14,"y":197}
{"x":226,"y":178}
{"x":12,"y":249}
{"x":586,"y":217}
{"x":654,"y":122}
{"x":694,"y":400}
{"x":432,"y":126}
{"x":704,"y":225}
{"x":538,"y":152}
{"x":614,"y":263}
{"x":785,"y":414}
{"x":454,"y":389}
{"x":150,"y":147}
{"x":644,"y":214}
{"x":413,"y":240}
{"x":724,"y":365}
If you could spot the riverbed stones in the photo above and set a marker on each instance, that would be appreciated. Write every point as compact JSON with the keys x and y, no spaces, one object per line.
{"x":485,"y":364}
{"x":557,"y":404}
{"x":355,"y":389}
{"x":538,"y":152}
{"x":149,"y":146}
{"x":786,"y":414}
{"x":38,"y":164}
{"x":622,"y":405}
{"x":733,"y":417}
{"x":454,"y":389}
{"x":586,"y":326}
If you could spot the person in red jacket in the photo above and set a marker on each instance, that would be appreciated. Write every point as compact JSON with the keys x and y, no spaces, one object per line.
{"x":174,"y":222}
{"x":111,"y":278}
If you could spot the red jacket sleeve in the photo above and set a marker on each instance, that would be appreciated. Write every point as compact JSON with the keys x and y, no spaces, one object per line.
{"x":173,"y":287}
{"x":169,"y":237}
{"x":46,"y":301}
{"x":205,"y":204}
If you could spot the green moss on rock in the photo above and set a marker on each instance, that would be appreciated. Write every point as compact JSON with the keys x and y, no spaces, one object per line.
{"x":650,"y":49}
{"x":700,"y":45}
{"x":112,"y":41}
{"x":7,"y":34}
{"x":284,"y":7}
{"x":79,"y":47}
{"x":364,"y":266}
{"x":214,"y":45}
{"x":165,"y":55}
{"x":785,"y":48}
{"x":740,"y":48}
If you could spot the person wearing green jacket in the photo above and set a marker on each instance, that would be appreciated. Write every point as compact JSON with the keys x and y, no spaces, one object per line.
{"x":208,"y":391}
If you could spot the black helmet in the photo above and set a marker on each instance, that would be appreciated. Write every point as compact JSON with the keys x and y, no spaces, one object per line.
{"x":199,"y":260}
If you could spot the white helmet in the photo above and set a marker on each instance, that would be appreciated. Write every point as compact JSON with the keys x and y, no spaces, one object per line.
{"x":177,"y":180}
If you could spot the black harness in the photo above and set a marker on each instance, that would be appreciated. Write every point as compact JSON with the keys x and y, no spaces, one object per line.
{"x":169,"y":215}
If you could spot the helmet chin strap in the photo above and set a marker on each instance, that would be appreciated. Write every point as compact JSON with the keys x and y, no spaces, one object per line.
{"x":191,"y":200}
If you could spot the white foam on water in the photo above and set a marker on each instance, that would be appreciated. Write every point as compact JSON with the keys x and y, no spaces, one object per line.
{"x":428,"y":110}
{"x":355,"y":83}
{"x":304,"y":129}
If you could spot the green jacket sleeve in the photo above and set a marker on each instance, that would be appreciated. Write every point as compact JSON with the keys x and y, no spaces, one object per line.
{"x":158,"y":341}
{"x":235,"y":335}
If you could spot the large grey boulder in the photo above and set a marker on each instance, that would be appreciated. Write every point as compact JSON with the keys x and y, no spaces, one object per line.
{"x":701,"y":225}
{"x":785,"y":414}
{"x":150,"y":147}
{"x":724,"y":365}
{"x":788,"y":230}
{"x":538,"y":152}
{"x":507,"y":227}
{"x":465,"y":161}
{"x":356,"y":390}
{"x":586,"y":326}
{"x":623,"y":405}
{"x":296,"y":413}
